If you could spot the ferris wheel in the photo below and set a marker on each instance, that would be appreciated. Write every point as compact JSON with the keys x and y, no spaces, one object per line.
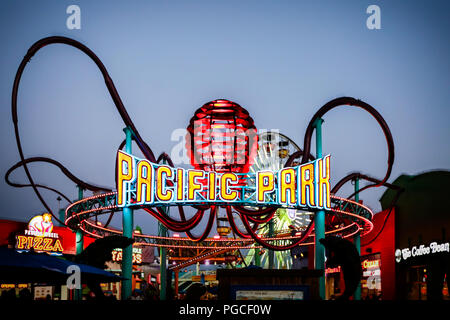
{"x":274,"y":149}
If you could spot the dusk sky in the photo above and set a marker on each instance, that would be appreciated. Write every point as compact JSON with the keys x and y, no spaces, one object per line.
{"x":281,"y":60}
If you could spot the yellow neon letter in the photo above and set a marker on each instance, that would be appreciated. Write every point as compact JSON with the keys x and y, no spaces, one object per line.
{"x":323,"y":182}
{"x":37,"y":243}
{"x":30,"y":242}
{"x":21,"y":241}
{"x":122,"y":177}
{"x":193,"y":184}
{"x":307,"y":185}
{"x":180,"y":184}
{"x":287,"y":183}
{"x":225,"y":193}
{"x":47,"y":246}
{"x":162,"y":193}
{"x":58,"y":246}
{"x":264,"y":183}
{"x":211,"y":186}
{"x":144,"y":181}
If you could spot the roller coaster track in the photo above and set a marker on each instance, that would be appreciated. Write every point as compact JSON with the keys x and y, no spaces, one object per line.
{"x":80,"y":213}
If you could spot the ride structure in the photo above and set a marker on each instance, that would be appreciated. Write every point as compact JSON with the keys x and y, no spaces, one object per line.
{"x":224,"y":145}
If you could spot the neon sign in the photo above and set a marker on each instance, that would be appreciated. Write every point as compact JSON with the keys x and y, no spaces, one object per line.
{"x":421,"y":250}
{"x":371,"y":272}
{"x":41,"y":225}
{"x":141,"y":182}
{"x":136,"y":255}
{"x":333,"y":270}
{"x":371,"y":264}
{"x":39,"y":236}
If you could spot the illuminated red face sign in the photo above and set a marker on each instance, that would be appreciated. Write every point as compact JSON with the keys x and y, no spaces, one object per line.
{"x":222,"y":138}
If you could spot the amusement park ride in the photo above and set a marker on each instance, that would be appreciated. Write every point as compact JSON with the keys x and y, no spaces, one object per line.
{"x":261,"y":187}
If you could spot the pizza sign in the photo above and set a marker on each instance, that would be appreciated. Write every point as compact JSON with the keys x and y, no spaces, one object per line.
{"x":39,"y":236}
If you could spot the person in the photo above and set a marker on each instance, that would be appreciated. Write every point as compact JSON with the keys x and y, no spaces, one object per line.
{"x":110,"y":296}
{"x":151,"y":292}
{"x":341,"y":252}
{"x":91,"y":296}
{"x":196,"y":291}
{"x":9,"y":295}
{"x":136,"y":295}
{"x":25,"y":295}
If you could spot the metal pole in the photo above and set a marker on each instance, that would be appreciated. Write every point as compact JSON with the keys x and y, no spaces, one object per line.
{"x":79,"y":245}
{"x":62,"y":216}
{"x":319,"y":220}
{"x":127,"y":226}
{"x":271,"y":252}
{"x":163,"y":257}
{"x":163,"y":261}
{"x":357,"y":240}
{"x":163,"y":232}
{"x":61,"y":212}
{"x":177,"y":275}
{"x":257,"y":258}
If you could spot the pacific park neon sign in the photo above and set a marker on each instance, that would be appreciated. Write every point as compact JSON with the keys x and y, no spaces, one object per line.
{"x":141,"y":182}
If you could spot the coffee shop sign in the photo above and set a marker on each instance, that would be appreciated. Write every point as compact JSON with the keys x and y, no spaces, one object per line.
{"x":422,"y":250}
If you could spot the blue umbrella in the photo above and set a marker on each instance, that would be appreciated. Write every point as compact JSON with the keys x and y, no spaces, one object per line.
{"x":31,"y":267}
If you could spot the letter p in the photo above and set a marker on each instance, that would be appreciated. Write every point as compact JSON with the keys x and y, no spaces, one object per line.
{"x":264,"y":183}
{"x":125,"y":175}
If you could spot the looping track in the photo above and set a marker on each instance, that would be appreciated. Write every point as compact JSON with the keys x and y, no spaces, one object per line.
{"x":357,"y":218}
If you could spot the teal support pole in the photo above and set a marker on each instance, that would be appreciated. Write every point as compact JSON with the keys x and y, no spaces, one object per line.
{"x":357,"y":240}
{"x":319,"y":221}
{"x":257,"y":258}
{"x":271,"y":253}
{"x":163,"y":261}
{"x":79,"y":245}
{"x":127,"y":226}
{"x":62,"y":216}
{"x":79,"y":234}
{"x":163,"y":257}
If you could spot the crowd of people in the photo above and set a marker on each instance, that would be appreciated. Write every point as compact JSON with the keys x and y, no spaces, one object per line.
{"x":197,"y":291}
{"x":10,"y":295}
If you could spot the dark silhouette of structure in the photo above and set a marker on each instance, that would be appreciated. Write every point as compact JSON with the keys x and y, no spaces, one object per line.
{"x":343,"y":253}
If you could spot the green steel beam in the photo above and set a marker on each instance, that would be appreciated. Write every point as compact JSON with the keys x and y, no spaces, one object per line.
{"x":163,"y":260}
{"x":319,"y":221}
{"x":271,"y":252}
{"x":163,"y":232}
{"x":127,"y":227}
{"x":257,"y":256}
{"x":357,"y":240}
{"x":79,"y":246}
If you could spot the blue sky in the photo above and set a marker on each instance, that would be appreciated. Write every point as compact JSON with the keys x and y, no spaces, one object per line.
{"x":281,"y":60}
